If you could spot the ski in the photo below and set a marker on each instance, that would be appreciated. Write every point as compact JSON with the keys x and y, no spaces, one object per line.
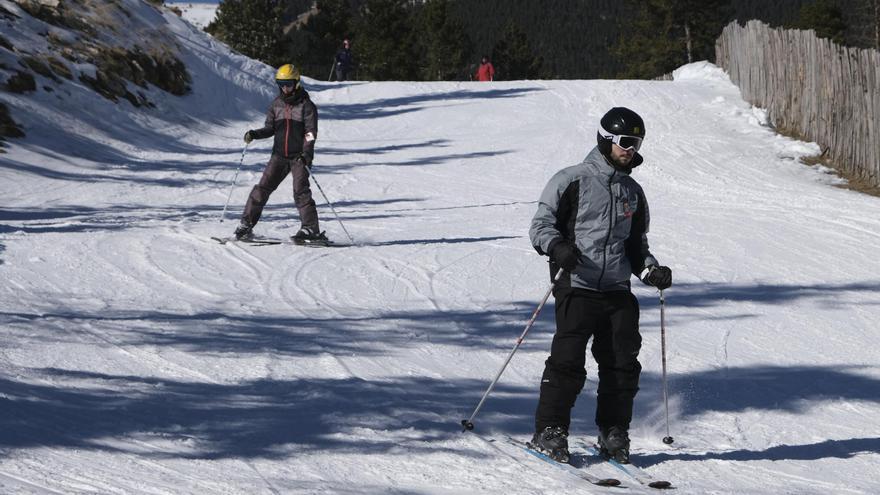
{"x":631,"y":470}
{"x":575,"y":469}
{"x":256,"y":241}
{"x":266,"y":241}
{"x":317,"y":243}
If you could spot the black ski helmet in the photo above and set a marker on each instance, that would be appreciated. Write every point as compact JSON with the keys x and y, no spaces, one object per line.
{"x":619,"y":121}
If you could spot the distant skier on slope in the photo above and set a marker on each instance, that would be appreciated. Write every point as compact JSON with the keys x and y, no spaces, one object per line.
{"x":592,"y":221}
{"x":293,"y":120}
{"x":344,"y":61}
{"x":486,"y":71}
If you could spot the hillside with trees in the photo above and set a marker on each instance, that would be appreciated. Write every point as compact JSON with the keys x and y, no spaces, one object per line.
{"x":554,"y":39}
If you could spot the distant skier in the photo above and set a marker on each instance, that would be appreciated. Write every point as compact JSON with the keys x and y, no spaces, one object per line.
{"x":486,"y":71}
{"x":592,"y":221}
{"x":344,"y":61}
{"x":293,"y":120}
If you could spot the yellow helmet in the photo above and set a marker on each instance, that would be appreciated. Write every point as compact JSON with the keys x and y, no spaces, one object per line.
{"x":288,"y":74}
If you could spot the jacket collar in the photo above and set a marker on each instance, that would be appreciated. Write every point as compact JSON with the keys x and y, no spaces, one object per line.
{"x":604,"y":166}
{"x":297,"y":96}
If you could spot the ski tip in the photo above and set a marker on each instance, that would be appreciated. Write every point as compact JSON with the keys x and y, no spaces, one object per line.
{"x":220,"y":240}
{"x":660,"y":484}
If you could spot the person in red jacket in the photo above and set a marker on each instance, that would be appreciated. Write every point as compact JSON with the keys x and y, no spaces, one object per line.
{"x":486,"y":72}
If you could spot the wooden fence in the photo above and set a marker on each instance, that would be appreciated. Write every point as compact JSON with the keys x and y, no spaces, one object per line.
{"x":811,"y":87}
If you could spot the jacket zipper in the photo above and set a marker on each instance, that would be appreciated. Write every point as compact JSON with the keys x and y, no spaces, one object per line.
{"x":286,"y":130}
{"x":608,"y":235}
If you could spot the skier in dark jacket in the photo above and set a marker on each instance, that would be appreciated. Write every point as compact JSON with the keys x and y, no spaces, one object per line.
{"x":344,"y":61}
{"x":293,"y":120}
{"x":592,"y":221}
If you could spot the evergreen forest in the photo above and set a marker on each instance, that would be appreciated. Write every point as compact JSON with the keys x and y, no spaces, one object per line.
{"x":432,"y":40}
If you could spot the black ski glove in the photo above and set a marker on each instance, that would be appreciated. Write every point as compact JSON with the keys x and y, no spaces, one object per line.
{"x":659,"y":276}
{"x":564,"y":253}
{"x":248,"y":137}
{"x":306,"y":159}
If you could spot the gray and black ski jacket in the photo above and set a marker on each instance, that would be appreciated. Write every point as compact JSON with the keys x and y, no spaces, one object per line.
{"x":604,"y":211}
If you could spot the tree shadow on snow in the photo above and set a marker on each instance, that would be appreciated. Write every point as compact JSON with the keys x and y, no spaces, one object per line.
{"x":254,"y":334}
{"x":421,"y":161}
{"x":405,"y":414}
{"x":278,"y":418}
{"x":385,"y":107}
{"x":35,"y":220}
{"x":264,"y":418}
{"x":441,"y":240}
{"x":836,"y":449}
{"x":371,"y":149}
{"x":792,"y":389}
{"x":272,"y":418}
{"x":81,"y":218}
{"x":702,"y":295}
{"x":127,"y":169}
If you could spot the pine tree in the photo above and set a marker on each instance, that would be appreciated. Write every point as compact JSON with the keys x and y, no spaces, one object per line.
{"x":825,"y":18}
{"x":862,"y":19}
{"x":384,"y":40}
{"x":314,"y":44}
{"x":251,"y":27}
{"x":666,"y":34}
{"x":513,"y":56}
{"x":875,"y":24}
{"x":442,"y":41}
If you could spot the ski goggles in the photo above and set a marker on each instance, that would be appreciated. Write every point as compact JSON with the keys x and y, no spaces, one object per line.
{"x":286,"y":83}
{"x":626,"y":142}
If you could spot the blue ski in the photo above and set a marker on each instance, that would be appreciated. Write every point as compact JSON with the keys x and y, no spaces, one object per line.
{"x":631,"y":470}
{"x":576,"y":471}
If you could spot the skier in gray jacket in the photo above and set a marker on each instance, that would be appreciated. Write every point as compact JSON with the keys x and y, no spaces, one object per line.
{"x":592,"y":221}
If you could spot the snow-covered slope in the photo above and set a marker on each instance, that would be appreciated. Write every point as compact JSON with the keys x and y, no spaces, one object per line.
{"x":139,"y":356}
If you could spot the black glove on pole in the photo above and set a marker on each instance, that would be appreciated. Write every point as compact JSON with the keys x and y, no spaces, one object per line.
{"x":564,"y":253}
{"x":660,"y":277}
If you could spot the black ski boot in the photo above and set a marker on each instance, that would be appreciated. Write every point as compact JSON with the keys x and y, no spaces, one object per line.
{"x":614,"y":444}
{"x":308,"y":235}
{"x":553,"y":441}
{"x":244,"y":232}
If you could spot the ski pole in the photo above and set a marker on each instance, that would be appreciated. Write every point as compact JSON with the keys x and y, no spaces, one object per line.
{"x":468,"y":424}
{"x":331,"y":206}
{"x":232,"y":186}
{"x":667,"y":439}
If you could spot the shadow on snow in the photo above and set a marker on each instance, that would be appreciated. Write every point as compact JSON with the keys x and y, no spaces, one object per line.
{"x":277,"y":418}
{"x":385,"y":107}
{"x":838,"y":449}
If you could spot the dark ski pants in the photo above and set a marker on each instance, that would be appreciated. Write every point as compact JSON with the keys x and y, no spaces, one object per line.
{"x":276,"y":170}
{"x":612,"y":320}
